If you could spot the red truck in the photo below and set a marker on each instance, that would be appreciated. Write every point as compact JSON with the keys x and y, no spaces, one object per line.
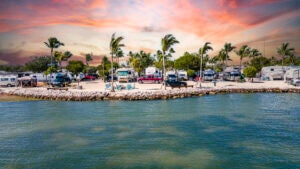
{"x":149,"y":79}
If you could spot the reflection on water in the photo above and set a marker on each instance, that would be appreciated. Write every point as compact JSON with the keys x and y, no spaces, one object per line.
{"x":221,"y":131}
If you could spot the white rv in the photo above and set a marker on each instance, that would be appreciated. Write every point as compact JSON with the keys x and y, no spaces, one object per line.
{"x":126,"y":75}
{"x":208,"y":75}
{"x":153,"y":71}
{"x":8,"y":81}
{"x":292,"y":72}
{"x":273,"y":72}
{"x":182,"y":75}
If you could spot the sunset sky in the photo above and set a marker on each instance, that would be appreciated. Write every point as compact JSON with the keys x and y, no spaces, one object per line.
{"x":86,"y":26}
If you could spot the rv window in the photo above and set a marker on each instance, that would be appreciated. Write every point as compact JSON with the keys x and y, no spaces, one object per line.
{"x":4,"y":79}
{"x":272,"y":69}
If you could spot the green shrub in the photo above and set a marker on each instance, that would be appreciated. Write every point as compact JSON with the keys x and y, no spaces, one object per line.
{"x":250,"y":72}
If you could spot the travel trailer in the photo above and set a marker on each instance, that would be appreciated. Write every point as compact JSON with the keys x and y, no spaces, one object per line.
{"x":126,"y":75}
{"x":182,"y":75}
{"x":273,"y":72}
{"x":153,"y":71}
{"x":8,"y":81}
{"x":292,"y":72}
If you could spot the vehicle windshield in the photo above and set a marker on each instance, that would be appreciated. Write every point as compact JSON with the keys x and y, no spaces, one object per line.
{"x":122,"y":73}
{"x":172,"y":76}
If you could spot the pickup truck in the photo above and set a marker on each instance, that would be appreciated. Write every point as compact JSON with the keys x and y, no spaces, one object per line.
{"x":176,"y":84}
{"x":149,"y":79}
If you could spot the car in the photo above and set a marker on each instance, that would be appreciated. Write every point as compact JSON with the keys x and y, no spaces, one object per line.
{"x":150,"y":79}
{"x":176,"y":84}
{"x":61,"y":81}
{"x":88,"y":77}
{"x":172,"y":77}
{"x":109,"y":78}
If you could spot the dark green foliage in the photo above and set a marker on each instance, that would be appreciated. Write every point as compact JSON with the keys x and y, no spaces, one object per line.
{"x":140,"y":61}
{"x":10,"y":68}
{"x":260,"y":62}
{"x":190,"y":73}
{"x":250,"y":71}
{"x":38,"y":64}
{"x":187,"y":61}
{"x":75,"y":66}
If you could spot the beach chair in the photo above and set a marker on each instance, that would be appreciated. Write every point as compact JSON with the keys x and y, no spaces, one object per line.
{"x":128,"y":86}
{"x":118,"y":87}
{"x":107,"y":86}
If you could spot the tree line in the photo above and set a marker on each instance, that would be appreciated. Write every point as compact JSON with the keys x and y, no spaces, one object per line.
{"x":162,"y":58}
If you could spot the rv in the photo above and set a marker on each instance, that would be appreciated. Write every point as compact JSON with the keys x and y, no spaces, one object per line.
{"x":208,"y":75}
{"x":232,"y":74}
{"x":273,"y":72}
{"x":182,"y":75}
{"x":171,"y":75}
{"x":8,"y":81}
{"x":292,"y":72}
{"x":153,"y":71}
{"x":126,"y":75}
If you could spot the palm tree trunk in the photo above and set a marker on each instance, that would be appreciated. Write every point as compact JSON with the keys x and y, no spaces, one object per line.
{"x":164,"y":69}
{"x":241,"y":65}
{"x":200,"y":73}
{"x":112,"y":74}
{"x":282,"y":62}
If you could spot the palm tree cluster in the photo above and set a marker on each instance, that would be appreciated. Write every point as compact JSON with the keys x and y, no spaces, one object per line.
{"x":162,"y":58}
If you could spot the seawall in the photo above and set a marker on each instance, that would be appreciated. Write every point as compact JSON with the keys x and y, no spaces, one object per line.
{"x":81,"y":95}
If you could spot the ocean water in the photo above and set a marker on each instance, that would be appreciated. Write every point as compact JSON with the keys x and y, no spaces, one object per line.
{"x":255,"y":131}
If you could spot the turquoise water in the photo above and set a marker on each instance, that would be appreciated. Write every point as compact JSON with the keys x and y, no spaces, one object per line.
{"x":221,"y":131}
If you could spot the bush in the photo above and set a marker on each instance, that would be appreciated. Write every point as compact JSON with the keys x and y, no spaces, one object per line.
{"x":190,"y":73}
{"x":250,"y":72}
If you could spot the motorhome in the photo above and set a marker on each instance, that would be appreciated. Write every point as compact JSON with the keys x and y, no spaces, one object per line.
{"x":273,"y":72}
{"x":8,"y":81}
{"x":126,"y":75}
{"x":232,"y":74}
{"x":153,"y":71}
{"x":208,"y":75}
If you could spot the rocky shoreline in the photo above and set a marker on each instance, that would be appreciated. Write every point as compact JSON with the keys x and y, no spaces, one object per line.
{"x":78,"y":95}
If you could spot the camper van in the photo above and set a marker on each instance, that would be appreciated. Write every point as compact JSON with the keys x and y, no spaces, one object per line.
{"x":126,"y":75}
{"x":8,"y":81}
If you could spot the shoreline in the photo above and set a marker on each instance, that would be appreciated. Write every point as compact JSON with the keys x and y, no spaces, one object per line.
{"x":92,"y":91}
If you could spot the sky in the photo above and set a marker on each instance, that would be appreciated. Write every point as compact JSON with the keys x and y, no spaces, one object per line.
{"x":86,"y":26}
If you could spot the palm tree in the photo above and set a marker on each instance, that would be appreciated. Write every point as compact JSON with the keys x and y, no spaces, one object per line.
{"x":254,"y":53}
{"x":228,"y":48}
{"x":52,"y":44}
{"x":243,"y":52}
{"x":59,"y":56}
{"x":166,"y":42}
{"x":114,"y":46}
{"x":284,"y":51}
{"x":88,"y":57}
{"x":203,"y":51}
{"x":119,"y":54}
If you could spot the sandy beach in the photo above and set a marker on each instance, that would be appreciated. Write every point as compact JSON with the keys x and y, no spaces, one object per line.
{"x":95,"y":90}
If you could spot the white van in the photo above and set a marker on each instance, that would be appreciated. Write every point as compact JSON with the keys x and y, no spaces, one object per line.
{"x":8,"y":81}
